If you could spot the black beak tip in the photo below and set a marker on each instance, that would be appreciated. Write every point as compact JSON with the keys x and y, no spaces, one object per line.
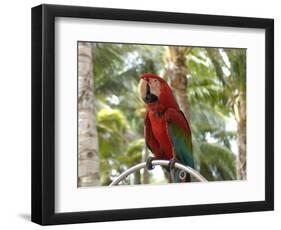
{"x":150,"y":98}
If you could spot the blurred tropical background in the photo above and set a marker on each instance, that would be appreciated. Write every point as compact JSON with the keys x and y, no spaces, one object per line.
{"x":209,"y":85}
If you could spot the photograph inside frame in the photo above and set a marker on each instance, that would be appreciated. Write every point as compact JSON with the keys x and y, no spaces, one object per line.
{"x":160,"y":114}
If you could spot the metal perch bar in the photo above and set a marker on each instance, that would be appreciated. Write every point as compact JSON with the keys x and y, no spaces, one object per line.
{"x":139,"y":166}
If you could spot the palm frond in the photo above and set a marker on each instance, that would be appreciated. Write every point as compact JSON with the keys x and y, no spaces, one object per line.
{"x":217,"y":162}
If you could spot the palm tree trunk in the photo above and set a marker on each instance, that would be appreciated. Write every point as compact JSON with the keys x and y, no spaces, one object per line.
{"x":238,"y":59}
{"x":88,"y":162}
{"x":239,"y":111}
{"x":241,"y":137}
{"x":177,"y":72}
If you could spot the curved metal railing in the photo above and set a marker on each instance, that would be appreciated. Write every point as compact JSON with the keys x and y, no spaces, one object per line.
{"x":139,"y":166}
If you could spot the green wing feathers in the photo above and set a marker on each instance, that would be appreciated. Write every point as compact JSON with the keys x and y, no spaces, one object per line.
{"x":180,"y":136}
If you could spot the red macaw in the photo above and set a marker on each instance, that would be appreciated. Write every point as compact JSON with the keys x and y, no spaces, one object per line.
{"x":167,"y":132}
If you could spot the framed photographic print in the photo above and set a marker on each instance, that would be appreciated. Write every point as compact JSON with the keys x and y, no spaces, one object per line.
{"x":142,"y":114}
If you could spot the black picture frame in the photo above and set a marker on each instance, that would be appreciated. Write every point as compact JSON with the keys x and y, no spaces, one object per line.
{"x":43,"y":114}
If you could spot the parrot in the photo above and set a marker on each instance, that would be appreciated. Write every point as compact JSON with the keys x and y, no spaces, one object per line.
{"x":166,"y":130}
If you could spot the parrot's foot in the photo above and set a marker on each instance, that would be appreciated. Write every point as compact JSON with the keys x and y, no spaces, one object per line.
{"x":171,"y":167}
{"x":149,"y":165}
{"x":172,"y":163}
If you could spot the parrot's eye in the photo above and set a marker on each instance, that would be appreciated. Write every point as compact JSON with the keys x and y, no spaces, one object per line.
{"x":153,"y":81}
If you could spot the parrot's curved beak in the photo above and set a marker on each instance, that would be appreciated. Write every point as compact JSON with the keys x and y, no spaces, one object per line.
{"x":145,"y":92}
{"x":142,"y":88}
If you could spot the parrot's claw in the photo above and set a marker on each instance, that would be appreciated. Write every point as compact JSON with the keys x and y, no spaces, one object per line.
{"x":149,"y":165}
{"x":172,"y":163}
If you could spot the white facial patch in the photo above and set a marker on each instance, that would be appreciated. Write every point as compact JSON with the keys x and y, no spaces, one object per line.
{"x":154,"y":86}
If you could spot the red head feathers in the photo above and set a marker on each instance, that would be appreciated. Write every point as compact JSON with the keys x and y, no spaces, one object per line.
{"x":156,"y":92}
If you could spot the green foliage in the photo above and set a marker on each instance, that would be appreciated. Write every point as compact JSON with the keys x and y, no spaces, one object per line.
{"x":217,"y":162}
{"x":112,"y":119}
{"x":133,"y":153}
{"x":111,"y":126}
{"x":208,"y":97}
